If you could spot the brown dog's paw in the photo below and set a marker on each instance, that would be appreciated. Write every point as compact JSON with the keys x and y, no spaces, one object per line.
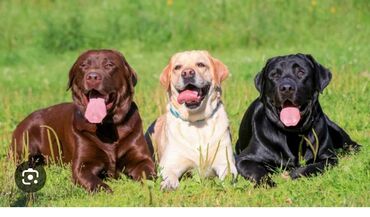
{"x":100,"y":187}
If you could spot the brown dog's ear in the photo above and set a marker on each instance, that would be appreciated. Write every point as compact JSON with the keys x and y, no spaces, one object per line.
{"x":132,"y":73}
{"x":134,"y":78}
{"x":165,"y":77}
{"x":322,"y":74}
{"x":72,"y":75}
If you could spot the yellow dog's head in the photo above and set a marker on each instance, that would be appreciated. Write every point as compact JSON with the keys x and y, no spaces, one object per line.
{"x":193,"y":82}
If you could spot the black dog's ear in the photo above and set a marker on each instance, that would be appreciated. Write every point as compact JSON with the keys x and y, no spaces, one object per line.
{"x":322,"y":74}
{"x":259,"y":80}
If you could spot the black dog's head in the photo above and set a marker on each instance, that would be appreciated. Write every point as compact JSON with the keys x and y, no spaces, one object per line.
{"x":289,"y":87}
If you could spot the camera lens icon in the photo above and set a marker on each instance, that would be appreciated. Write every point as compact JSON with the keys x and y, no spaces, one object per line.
{"x":30,"y":179}
{"x":30,"y":176}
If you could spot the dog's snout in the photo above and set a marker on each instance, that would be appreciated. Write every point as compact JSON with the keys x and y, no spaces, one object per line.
{"x":93,"y":76}
{"x":93,"y":79}
{"x":188,"y":73}
{"x":287,"y":88}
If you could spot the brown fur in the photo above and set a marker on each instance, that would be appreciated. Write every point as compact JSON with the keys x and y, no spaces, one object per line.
{"x":94,"y":150}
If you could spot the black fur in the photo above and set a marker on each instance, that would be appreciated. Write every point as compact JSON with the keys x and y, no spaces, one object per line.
{"x":265,"y":144}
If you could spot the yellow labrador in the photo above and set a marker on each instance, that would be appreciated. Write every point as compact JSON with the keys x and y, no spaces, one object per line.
{"x":194,"y":132}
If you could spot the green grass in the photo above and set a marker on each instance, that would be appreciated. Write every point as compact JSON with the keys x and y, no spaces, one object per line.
{"x":39,"y":41}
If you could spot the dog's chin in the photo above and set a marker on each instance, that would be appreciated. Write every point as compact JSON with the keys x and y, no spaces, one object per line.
{"x":109,"y":98}
{"x":192,"y":96}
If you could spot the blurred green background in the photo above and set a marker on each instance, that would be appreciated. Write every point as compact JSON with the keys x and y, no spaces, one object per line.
{"x":47,"y":28}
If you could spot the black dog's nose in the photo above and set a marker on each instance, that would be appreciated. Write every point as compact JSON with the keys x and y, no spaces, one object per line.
{"x":93,"y":79}
{"x":188,"y":73}
{"x":286,"y":88}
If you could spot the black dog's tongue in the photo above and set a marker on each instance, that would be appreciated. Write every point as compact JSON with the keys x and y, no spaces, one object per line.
{"x":290,"y":116}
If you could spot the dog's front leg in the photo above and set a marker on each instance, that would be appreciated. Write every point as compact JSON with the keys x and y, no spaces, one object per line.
{"x":172,"y":166}
{"x":255,"y":172}
{"x":86,"y":175}
{"x":313,"y":169}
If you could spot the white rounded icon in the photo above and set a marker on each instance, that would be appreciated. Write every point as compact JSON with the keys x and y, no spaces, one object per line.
{"x":29,"y":176}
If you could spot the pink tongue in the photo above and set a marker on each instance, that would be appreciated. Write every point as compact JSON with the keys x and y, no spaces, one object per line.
{"x":188,"y":96}
{"x":290,"y":116}
{"x":96,"y":110}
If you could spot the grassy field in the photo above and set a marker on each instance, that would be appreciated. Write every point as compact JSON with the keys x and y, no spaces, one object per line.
{"x":40,"y":40}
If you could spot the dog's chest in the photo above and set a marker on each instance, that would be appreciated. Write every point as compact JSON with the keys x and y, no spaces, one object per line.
{"x":196,"y":137}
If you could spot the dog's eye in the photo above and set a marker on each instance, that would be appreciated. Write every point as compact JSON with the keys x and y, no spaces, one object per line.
{"x":275,"y":74}
{"x":300,"y":73}
{"x":109,"y":65}
{"x":201,"y":65}
{"x":83,"y":65}
{"x":177,"y":67}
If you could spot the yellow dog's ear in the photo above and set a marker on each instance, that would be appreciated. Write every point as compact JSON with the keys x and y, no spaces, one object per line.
{"x":165,"y":77}
{"x":220,"y":71}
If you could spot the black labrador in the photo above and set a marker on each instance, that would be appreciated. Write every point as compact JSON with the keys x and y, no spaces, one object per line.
{"x":285,"y":127}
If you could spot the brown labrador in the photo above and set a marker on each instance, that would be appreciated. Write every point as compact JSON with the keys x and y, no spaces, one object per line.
{"x":100,"y":133}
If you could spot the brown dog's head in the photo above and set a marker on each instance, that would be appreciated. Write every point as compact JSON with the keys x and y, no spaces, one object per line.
{"x":102,"y":84}
{"x":193,"y":82}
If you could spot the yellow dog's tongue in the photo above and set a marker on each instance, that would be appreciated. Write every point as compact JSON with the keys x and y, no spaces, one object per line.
{"x":290,"y":116}
{"x":188,"y":96}
{"x":96,"y":110}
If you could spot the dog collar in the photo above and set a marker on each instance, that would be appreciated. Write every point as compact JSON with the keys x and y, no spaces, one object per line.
{"x":176,"y":114}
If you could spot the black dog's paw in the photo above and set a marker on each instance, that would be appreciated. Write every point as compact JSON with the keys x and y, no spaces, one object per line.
{"x":310,"y":170}
{"x":264,"y":182}
{"x":296,"y":173}
{"x":354,"y":147}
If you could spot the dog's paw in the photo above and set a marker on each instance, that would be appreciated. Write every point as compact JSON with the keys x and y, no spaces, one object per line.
{"x":169,"y":184}
{"x":265,"y":182}
{"x":297,"y":173}
{"x":101,"y":187}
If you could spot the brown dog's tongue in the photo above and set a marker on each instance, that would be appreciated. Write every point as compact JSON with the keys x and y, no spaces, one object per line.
{"x":96,"y":110}
{"x":290,"y":116}
{"x":188,"y":96}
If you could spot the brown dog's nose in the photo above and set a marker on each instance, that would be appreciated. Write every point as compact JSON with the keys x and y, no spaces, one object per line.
{"x":188,"y":73}
{"x":93,"y":79}
{"x":287,"y":88}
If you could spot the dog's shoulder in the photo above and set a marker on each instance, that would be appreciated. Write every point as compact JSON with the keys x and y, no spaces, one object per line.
{"x":255,"y":109}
